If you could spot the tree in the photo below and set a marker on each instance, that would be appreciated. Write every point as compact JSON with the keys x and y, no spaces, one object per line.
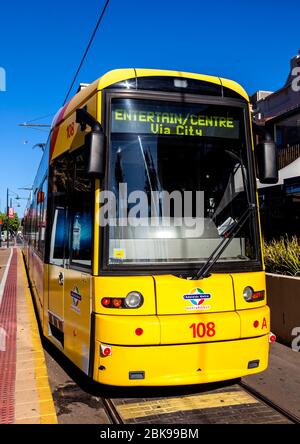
{"x":14,"y":222}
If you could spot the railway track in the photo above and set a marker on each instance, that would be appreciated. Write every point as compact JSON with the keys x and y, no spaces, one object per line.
{"x":238,"y":403}
{"x":111,"y":411}
{"x":294,"y":419}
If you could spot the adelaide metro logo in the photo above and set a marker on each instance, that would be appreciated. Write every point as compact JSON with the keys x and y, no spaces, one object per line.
{"x":196,"y":298}
{"x":76,"y":298}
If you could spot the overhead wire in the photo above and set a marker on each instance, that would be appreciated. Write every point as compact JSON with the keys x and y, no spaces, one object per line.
{"x":40,"y":118}
{"x":86,"y":51}
{"x":77,"y":71}
{"x":39,"y":129}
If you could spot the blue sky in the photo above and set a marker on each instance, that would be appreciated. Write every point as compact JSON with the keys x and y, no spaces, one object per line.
{"x":41,"y":44}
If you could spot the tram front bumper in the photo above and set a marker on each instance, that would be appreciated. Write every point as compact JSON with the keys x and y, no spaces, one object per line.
{"x":183,"y":349}
{"x":182,"y":364}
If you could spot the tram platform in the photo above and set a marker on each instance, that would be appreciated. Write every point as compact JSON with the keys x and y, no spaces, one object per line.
{"x":25,"y":395}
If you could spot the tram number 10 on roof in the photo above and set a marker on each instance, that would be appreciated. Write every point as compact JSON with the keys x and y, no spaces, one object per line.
{"x":201,"y":330}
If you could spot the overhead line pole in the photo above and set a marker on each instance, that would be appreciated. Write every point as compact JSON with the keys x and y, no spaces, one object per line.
{"x":34,"y":125}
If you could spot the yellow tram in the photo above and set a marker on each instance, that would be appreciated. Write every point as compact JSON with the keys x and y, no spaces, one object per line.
{"x":130,"y":287}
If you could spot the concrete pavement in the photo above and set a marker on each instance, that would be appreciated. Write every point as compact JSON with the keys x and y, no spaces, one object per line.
{"x":25,"y":396}
{"x":281,"y":381}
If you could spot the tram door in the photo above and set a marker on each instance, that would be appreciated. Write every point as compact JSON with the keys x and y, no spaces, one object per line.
{"x":70,"y":258}
{"x":78,"y":265}
{"x":58,"y":246}
{"x":56,"y":275}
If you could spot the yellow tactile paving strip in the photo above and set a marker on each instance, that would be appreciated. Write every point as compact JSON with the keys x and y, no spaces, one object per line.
{"x":185,"y":403}
{"x":33,"y":398}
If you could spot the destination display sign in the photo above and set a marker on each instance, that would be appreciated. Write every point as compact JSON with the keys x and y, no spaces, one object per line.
{"x":166,"y":118}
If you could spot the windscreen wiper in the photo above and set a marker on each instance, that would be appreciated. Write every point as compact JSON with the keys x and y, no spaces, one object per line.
{"x":228,"y":236}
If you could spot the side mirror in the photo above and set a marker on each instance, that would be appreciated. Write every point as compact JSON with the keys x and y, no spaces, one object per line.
{"x":95,"y":141}
{"x":266,"y":159}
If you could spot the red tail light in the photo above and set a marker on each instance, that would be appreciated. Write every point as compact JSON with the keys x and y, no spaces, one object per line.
{"x":117,"y":302}
{"x":106,"y":302}
{"x":272,"y":338}
{"x":105,"y":350}
{"x":258,"y":296}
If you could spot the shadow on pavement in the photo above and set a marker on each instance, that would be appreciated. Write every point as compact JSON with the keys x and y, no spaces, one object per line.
{"x":100,"y":390}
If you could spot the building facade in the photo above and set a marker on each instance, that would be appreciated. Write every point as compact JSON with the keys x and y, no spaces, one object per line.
{"x":279,"y":113}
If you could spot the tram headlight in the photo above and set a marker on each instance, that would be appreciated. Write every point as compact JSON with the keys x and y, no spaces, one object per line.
{"x":248,"y":293}
{"x":134,"y":299}
{"x":253,"y":296}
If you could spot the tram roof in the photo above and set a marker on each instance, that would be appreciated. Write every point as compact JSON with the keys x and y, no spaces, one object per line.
{"x":119,"y":75}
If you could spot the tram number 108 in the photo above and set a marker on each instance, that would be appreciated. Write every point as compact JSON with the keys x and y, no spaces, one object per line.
{"x":201,"y":330}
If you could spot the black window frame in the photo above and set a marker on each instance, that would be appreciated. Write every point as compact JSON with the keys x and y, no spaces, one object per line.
{"x":51,"y":210}
{"x":41,"y":206}
{"x":70,"y":218}
{"x":67,"y":261}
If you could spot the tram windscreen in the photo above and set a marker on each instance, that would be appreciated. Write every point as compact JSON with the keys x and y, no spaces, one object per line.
{"x":178,"y":180}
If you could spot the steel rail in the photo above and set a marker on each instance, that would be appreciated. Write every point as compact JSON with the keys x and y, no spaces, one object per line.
{"x":290,"y":416}
{"x":111,"y":411}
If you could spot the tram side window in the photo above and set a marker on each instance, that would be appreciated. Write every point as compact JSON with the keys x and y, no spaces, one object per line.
{"x":58,"y":237}
{"x":81,"y":214}
{"x":28,"y":226}
{"x":58,"y":194}
{"x":34,"y":222}
{"x":42,"y":207}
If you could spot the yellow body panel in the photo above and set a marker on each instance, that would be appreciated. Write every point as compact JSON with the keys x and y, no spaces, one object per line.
{"x":77,"y":318}
{"x":180,"y":329}
{"x":182,"y":365}
{"x":69,"y":134}
{"x":235,"y":87}
{"x":172,"y":329}
{"x":119,"y":287}
{"x":73,"y":312}
{"x":170,"y":291}
{"x":121,"y":330}
{"x":96,"y":227}
{"x":255,"y":280}
{"x":56,"y":292}
{"x":118,"y":75}
{"x":248,"y":317}
{"x":212,"y":327}
{"x":76,"y":102}
{"x":114,"y":76}
{"x":44,"y":316}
